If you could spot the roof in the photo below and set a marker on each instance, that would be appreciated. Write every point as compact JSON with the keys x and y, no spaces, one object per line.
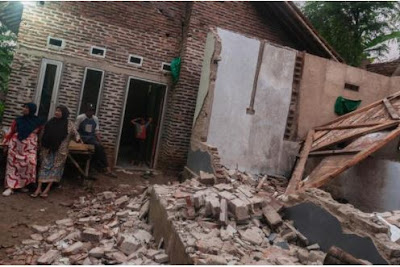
{"x":300,"y":27}
{"x":390,"y":68}
{"x":10,"y":15}
{"x":346,"y":141}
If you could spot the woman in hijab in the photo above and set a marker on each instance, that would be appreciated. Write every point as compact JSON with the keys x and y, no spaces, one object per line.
{"x":55,"y":140}
{"x":20,"y":145}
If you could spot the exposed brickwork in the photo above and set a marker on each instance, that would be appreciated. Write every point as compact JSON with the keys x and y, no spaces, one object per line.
{"x":111,"y":106}
{"x":240,"y":17}
{"x":70,"y":87}
{"x":122,"y":28}
{"x":22,"y":85}
{"x":292,"y":119}
{"x":158,"y":31}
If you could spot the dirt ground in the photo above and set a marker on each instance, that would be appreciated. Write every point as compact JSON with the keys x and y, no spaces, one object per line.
{"x":19,"y":210}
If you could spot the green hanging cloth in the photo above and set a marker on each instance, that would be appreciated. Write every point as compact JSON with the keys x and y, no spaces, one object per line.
{"x":343,"y":105}
{"x":175,"y":69}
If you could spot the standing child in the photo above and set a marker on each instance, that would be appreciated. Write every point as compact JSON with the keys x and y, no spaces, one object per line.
{"x":140,"y":138}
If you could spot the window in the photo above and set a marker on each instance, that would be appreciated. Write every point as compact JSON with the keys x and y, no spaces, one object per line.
{"x":135,"y":60}
{"x":91,"y":89}
{"x":47,"y":88}
{"x":351,"y":87}
{"x":97,"y":51}
{"x":166,"y":67}
{"x":55,"y":43}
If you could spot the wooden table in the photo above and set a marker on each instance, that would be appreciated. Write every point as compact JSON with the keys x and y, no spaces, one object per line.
{"x":78,"y":149}
{"x":81,"y":149}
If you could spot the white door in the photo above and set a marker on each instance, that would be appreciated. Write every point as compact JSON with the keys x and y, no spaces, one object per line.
{"x":47,"y":89}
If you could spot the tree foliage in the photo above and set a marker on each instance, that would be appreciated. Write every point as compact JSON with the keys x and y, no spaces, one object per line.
{"x":356,"y":30}
{"x":7,"y":45}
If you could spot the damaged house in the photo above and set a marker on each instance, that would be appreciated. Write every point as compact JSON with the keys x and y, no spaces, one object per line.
{"x":117,"y":55}
{"x":254,"y":105}
{"x":252,"y":81}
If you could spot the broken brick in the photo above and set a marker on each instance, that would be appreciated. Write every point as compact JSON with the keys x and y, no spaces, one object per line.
{"x":272,"y":217}
{"x":207,"y":178}
{"x":91,"y":235}
{"x":49,"y":257}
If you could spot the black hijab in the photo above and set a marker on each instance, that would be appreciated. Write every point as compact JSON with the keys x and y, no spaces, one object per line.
{"x":26,"y":124}
{"x":56,"y":130}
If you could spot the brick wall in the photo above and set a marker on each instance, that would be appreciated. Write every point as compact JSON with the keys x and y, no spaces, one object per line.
{"x":152,"y":30}
{"x":240,"y":17}
{"x":158,"y":31}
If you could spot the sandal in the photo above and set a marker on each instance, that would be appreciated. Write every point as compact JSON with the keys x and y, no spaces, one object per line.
{"x":35,"y":195}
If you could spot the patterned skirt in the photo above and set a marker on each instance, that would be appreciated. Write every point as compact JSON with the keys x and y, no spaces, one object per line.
{"x":21,"y":161}
{"x":51,"y":169}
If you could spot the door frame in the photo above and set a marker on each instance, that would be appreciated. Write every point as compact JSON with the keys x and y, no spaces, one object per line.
{"x":100,"y":90}
{"x":56,"y":86}
{"x":121,"y":124}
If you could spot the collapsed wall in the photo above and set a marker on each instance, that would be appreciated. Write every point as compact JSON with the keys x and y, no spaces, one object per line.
{"x":245,"y":91}
{"x":242,"y":221}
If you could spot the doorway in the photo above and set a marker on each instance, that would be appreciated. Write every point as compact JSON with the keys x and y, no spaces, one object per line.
{"x":145,"y":100}
{"x":47,"y":90}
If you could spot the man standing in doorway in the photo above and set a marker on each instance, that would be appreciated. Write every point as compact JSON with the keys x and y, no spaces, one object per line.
{"x":88,"y":127}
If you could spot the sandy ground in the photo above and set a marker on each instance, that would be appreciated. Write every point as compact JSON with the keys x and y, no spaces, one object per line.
{"x":20,"y":210}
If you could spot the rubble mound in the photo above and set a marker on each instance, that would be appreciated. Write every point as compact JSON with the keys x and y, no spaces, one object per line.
{"x":236,"y":221}
{"x":103,"y":229}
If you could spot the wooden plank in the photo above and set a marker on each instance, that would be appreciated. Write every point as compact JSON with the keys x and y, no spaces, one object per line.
{"x":352,"y":135}
{"x":337,"y":256}
{"x":261,"y":182}
{"x":344,"y":127}
{"x":361,"y":110}
{"x":393,"y":113}
{"x":332,"y":152}
{"x":356,"y":119}
{"x":299,"y":169}
{"x":352,"y":161}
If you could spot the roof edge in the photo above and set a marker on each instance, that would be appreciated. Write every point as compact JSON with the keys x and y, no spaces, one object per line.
{"x":310,"y":28}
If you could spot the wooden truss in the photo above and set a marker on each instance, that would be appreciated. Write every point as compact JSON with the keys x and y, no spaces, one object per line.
{"x":346,"y":141}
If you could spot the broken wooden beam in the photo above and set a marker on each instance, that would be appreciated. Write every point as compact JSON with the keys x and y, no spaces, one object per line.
{"x":332,"y":152}
{"x":301,"y":163}
{"x":392,"y":111}
{"x":261,"y":182}
{"x":336,"y":256}
{"x":299,"y":235}
{"x":345,"y":127}
{"x":353,"y":135}
{"x":361,"y":110}
{"x":353,"y":161}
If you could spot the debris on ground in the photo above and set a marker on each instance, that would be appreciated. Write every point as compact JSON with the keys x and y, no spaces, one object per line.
{"x":233,"y":219}
{"x":235,"y":222}
{"x":105,"y":229}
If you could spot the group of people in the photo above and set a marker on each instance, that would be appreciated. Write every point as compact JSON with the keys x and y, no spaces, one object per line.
{"x":29,"y":132}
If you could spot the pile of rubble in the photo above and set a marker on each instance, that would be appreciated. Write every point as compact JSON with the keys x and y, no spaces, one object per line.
{"x":236,"y":222}
{"x":105,"y":229}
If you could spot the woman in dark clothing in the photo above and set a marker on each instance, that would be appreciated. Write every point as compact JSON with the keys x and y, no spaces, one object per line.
{"x":20,"y":145}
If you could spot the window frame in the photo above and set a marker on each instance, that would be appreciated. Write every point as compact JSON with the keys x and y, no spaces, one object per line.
{"x":100,"y":48}
{"x":135,"y":64}
{"x":83,"y":87}
{"x":165,"y":64}
{"x":55,"y":47}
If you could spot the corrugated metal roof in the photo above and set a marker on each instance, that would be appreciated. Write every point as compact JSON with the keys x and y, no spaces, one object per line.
{"x":10,"y":15}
